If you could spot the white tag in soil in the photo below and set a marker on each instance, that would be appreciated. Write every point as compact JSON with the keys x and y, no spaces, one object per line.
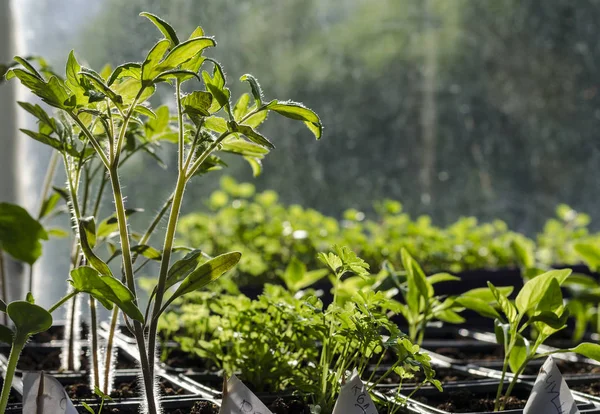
{"x":354,"y":398}
{"x":239,"y":399}
{"x":550,"y":393}
{"x":45,"y":396}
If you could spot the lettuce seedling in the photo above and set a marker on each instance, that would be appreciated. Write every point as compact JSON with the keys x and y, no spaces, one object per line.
{"x":99,"y":108}
{"x":538,"y":305}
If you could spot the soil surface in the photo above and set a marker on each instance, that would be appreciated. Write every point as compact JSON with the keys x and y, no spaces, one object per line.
{"x":278,"y":406}
{"x":178,"y":359}
{"x":123,"y":389}
{"x":465,"y":401}
{"x":591,"y":388}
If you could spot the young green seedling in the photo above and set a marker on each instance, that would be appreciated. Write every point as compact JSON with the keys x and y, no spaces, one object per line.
{"x":538,"y":305}
{"x":102,"y":109}
{"x":422,"y":306}
{"x":28,"y":319}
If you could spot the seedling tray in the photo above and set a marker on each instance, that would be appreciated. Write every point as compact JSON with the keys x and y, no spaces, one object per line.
{"x":479,"y":395}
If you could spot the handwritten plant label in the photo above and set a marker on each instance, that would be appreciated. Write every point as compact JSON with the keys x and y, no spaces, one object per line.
{"x":550,"y":393}
{"x":354,"y":398}
{"x":44,"y":394}
{"x":238,"y":399}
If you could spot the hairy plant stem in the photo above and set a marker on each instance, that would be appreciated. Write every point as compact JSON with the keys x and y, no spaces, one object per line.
{"x":62,"y":301}
{"x":95,"y":357}
{"x":147,"y":372}
{"x":15,"y":353}
{"x":164,"y":266}
{"x":3,"y":293}
{"x":508,"y":350}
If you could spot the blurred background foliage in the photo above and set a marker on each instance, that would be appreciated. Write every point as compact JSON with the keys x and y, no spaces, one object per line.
{"x":455,"y":108}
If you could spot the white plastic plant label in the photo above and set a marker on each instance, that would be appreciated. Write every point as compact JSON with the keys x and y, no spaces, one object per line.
{"x":354,"y":398}
{"x":238,"y":399}
{"x":550,"y":393}
{"x":44,"y":394}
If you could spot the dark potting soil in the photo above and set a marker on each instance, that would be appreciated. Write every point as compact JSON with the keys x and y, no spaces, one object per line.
{"x":591,"y":388}
{"x":56,"y":333}
{"x":486,"y":353}
{"x":176,"y":358}
{"x":41,"y":359}
{"x":465,"y":401}
{"x":122,"y":389}
{"x":279,"y":406}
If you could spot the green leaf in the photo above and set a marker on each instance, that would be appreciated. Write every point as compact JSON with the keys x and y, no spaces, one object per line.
{"x":20,"y":234}
{"x":518,"y":354}
{"x":251,"y":134}
{"x":296,"y":277}
{"x":506,"y":305}
{"x":6,"y":335}
{"x":590,"y":253}
{"x":442,"y":277}
{"x":481,"y":307}
{"x":549,"y":318}
{"x":57,"y":233}
{"x":197,"y":103}
{"x":49,"y":204}
{"x":153,"y":58}
{"x":91,"y":257}
{"x":486,"y":295}
{"x":52,"y":92}
{"x":88,"y":408}
{"x":241,"y":107}
{"x":183,"y":267}
{"x":88,"y":224}
{"x":184,"y":52}
{"x":126,"y":70}
{"x":449,"y":316}
{"x":28,"y":318}
{"x":216,"y":124}
{"x":418,"y":287}
{"x":52,"y":142}
{"x":205,"y":273}
{"x":148,"y":252}
{"x":552,"y":299}
{"x":238,"y":146}
{"x":100,"y":86}
{"x":164,"y":27}
{"x":533,"y":291}
{"x":29,"y":297}
{"x":588,"y":350}
{"x":257,"y":92}
{"x":298,"y":111}
{"x":106,"y":289}
{"x":144,"y":110}
{"x":2,"y":306}
{"x":257,"y":119}
{"x":524,"y":252}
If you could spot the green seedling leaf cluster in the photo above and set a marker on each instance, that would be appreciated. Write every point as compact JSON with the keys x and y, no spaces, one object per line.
{"x":105,"y":118}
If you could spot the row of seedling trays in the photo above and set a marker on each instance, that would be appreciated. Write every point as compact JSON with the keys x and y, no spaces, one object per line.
{"x":468,"y":363}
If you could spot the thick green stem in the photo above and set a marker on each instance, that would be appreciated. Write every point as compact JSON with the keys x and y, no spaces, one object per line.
{"x":95,"y":357}
{"x":13,"y":359}
{"x":128,"y":266}
{"x":164,"y":266}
